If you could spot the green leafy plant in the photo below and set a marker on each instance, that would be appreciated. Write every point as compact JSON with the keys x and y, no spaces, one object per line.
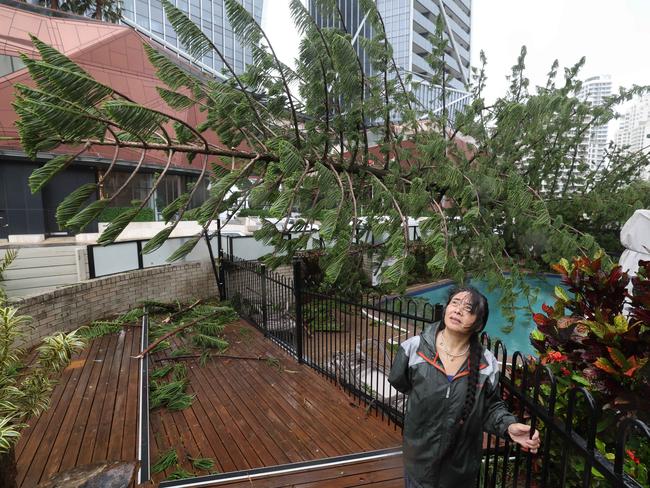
{"x":161,"y":372}
{"x":25,"y":391}
{"x":111,"y":213}
{"x":322,"y":316}
{"x":588,"y":338}
{"x":6,"y":260}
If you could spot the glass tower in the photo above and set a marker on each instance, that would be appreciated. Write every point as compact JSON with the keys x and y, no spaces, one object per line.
{"x":148,"y":17}
{"x":409,"y":24}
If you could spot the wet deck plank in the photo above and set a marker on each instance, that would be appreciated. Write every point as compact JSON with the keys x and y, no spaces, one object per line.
{"x":95,"y":398}
{"x":251,"y":413}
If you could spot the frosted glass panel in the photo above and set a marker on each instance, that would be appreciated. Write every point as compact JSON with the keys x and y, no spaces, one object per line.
{"x":248,"y":248}
{"x":115,"y":258}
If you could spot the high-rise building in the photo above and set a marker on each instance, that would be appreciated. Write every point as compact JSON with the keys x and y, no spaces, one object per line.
{"x":148,"y":17}
{"x":593,"y":91}
{"x":634,"y":129}
{"x":409,"y":25}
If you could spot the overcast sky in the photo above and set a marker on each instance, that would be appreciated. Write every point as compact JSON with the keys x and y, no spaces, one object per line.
{"x":614,"y":35}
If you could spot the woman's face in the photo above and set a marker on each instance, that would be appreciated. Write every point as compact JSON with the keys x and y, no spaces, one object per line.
{"x":458,"y":314}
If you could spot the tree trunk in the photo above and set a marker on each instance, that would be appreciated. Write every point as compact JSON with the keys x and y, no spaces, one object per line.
{"x":8,"y":470}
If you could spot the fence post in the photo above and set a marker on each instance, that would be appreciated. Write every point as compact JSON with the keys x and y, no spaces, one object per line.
{"x":221,"y":280}
{"x":138,"y":246}
{"x":264,"y":301}
{"x":297,"y":290}
{"x":214,"y":266}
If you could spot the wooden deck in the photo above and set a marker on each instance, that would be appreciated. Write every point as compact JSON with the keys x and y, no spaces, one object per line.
{"x":247,"y":414}
{"x":93,"y":412}
{"x":250,"y":413}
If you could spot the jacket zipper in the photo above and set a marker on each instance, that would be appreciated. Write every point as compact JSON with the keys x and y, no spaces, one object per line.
{"x":448,"y":389}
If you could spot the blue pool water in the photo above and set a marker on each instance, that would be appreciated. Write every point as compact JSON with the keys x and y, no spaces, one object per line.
{"x":518,"y":338}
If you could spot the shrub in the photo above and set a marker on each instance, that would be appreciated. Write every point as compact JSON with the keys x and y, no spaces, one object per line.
{"x":110,"y":213}
{"x":598,"y":336}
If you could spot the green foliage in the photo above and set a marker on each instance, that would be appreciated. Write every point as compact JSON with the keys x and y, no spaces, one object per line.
{"x":165,"y":461}
{"x":587,"y":340}
{"x":254,"y":212}
{"x":494,"y":188}
{"x":322,"y":316}
{"x":25,"y":392}
{"x":41,"y":176}
{"x":111,"y":213}
{"x":5,"y":261}
{"x":100,"y":328}
{"x":204,"y":464}
{"x":180,"y":474}
{"x":171,"y":394}
{"x":110,"y":10}
{"x":161,"y":372}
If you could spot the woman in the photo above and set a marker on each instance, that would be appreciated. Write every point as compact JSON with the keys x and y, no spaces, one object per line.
{"x":453,"y":396}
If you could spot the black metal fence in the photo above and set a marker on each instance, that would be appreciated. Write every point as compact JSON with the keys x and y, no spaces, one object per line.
{"x":353,"y":342}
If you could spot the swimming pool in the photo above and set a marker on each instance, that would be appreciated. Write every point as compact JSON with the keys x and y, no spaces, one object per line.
{"x":518,"y":338}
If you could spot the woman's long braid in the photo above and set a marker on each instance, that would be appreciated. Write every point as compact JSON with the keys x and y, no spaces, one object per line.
{"x":475,"y":351}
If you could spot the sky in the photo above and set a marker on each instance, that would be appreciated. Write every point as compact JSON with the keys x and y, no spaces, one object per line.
{"x":613,"y":35}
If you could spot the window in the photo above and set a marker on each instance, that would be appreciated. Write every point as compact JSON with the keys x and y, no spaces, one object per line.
{"x":10,"y":64}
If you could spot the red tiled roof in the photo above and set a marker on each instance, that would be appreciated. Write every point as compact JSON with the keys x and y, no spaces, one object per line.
{"x":111,"y":53}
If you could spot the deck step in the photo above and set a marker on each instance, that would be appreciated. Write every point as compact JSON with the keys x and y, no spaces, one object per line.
{"x":383,"y":465}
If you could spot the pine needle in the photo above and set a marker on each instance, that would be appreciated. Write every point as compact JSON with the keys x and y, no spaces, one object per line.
{"x":204,"y":464}
{"x":180,"y":474}
{"x":166,"y":460}
{"x":160,"y":373}
{"x":99,"y":328}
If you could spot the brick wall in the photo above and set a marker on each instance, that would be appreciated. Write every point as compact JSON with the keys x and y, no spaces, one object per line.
{"x":67,"y":308}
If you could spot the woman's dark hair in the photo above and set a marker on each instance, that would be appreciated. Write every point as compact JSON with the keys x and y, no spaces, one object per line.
{"x":481,"y":309}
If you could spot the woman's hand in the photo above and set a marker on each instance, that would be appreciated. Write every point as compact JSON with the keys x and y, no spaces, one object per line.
{"x":520,"y":433}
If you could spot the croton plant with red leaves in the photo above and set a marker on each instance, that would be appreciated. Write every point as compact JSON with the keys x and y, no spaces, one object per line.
{"x":600,"y":333}
{"x":597,"y":334}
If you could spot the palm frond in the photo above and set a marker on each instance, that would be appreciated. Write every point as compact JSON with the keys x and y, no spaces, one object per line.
{"x":57,"y":118}
{"x":166,"y":460}
{"x":66,"y":83}
{"x":204,"y":464}
{"x":203,"y":340}
{"x":174,"y":207}
{"x":243,"y":23}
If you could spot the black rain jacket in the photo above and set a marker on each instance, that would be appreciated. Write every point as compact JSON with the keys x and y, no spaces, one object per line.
{"x":432,"y":410}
